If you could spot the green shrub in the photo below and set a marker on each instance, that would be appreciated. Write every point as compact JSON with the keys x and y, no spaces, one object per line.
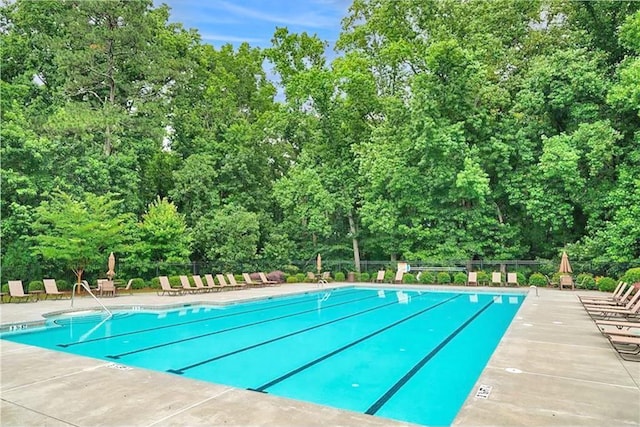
{"x":428,"y":278}
{"x":606,"y":284}
{"x":483,"y":278}
{"x":155,"y":283}
{"x":364,"y":277}
{"x":36,"y":285}
{"x":5,"y":288}
{"x":537,"y":279}
{"x":632,"y":276}
{"x":585,"y":281}
{"x":522,"y":281}
{"x":63,"y":285}
{"x":139,"y":283}
{"x":443,"y":277}
{"x":555,"y":279}
{"x":339,"y":276}
{"x":302,"y":278}
{"x":175,"y":282}
{"x":292,"y":279}
{"x":408,"y":278}
{"x":388,"y":276}
{"x":460,"y":278}
{"x":291,"y":270}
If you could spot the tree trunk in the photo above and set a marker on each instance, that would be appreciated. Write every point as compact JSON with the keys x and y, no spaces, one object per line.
{"x":354,"y":239}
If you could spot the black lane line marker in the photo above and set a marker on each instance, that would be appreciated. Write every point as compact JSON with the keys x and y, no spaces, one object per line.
{"x":233,"y":328}
{"x":263,"y":387}
{"x":398,"y":385}
{"x":193,"y":321}
{"x":180,"y":371}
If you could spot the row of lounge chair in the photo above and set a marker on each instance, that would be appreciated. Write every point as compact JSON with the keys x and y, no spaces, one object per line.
{"x":223,"y":283}
{"x":16,"y":290}
{"x":472,"y":278}
{"x":618,"y":318}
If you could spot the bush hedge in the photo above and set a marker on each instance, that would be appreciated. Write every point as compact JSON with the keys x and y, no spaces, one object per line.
{"x":606,"y":284}
{"x":460,"y":278}
{"x":427,"y":278}
{"x":36,"y":285}
{"x":443,"y":277}
{"x":364,"y":277}
{"x":585,"y":281}
{"x":339,"y":276}
{"x":632,"y":276}
{"x":138,"y":283}
{"x":408,"y":278}
{"x":292,"y":278}
{"x":537,"y":279}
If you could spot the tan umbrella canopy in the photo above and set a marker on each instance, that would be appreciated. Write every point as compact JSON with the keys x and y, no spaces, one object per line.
{"x":319,"y":263}
{"x":565,"y":267}
{"x":112,"y":266}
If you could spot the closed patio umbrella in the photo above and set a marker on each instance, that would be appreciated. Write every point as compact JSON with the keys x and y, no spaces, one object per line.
{"x":565,"y":267}
{"x":112,"y":266}
{"x":319,"y":263}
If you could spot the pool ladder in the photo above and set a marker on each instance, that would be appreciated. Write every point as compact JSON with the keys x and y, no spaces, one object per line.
{"x":85,"y":285}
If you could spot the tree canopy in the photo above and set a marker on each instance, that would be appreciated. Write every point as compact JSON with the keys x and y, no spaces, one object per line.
{"x":442,"y":130}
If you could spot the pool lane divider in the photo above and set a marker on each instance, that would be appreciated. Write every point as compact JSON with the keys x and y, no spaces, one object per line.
{"x":234,"y":328}
{"x":181,"y":371}
{"x":402,"y":381}
{"x":296,"y":371}
{"x":141,"y":331}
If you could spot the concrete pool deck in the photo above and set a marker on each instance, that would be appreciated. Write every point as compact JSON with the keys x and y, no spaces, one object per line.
{"x":552,"y":368}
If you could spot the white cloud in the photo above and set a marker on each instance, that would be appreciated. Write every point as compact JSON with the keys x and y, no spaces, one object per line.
{"x":311,"y":19}
{"x":229,"y":38}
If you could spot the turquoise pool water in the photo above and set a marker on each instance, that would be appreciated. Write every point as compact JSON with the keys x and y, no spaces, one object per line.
{"x":406,"y":355}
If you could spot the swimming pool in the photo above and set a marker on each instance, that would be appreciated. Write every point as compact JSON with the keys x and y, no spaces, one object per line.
{"x":407,"y":355}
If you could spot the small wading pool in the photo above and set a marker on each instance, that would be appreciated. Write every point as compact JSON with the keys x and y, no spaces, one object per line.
{"x":402,"y":354}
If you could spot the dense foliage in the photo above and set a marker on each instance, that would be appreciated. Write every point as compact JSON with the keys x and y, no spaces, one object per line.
{"x":443,"y":130}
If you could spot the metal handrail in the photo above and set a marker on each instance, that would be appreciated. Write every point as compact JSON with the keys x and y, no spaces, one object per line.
{"x":86,"y":286}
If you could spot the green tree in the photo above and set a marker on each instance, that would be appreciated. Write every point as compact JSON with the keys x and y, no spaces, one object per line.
{"x":161,"y":237}
{"x":79,"y":233}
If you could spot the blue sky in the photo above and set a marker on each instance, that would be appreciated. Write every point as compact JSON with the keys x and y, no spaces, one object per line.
{"x":254,"y":21}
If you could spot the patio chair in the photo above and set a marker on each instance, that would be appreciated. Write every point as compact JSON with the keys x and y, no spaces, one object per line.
{"x":233,"y":282}
{"x":186,"y":285}
{"x":223,"y":282}
{"x":126,"y":288}
{"x":249,"y":281}
{"x":399,"y":275}
{"x":51,"y":289}
{"x":627,"y":346}
{"x":566,"y":281}
{"x":610,"y":313}
{"x":106,"y":287}
{"x":603,"y":308}
{"x":622,"y":300}
{"x":615,"y":295}
{"x":326,"y":276}
{"x":380,"y":276}
{"x":200,"y":284}
{"x":496,"y":278}
{"x":16,"y":291}
{"x":512,"y":279}
{"x":166,"y":289}
{"x":311,"y":277}
{"x":211,"y":284}
{"x":266,"y":281}
{"x":472,"y":278}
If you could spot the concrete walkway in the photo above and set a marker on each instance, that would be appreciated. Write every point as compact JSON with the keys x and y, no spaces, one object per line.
{"x":552,"y":368}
